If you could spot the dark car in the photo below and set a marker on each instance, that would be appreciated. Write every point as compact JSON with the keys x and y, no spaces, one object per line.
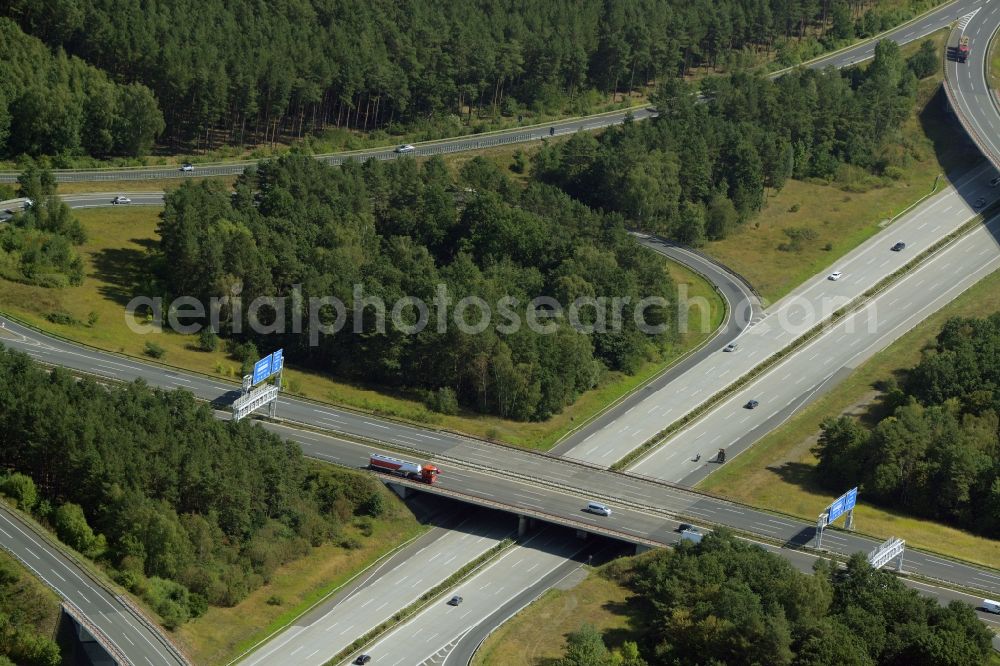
{"x":455,"y":600}
{"x":363,"y":659}
{"x":684,"y":527}
{"x":751,"y":405}
{"x":898,"y":246}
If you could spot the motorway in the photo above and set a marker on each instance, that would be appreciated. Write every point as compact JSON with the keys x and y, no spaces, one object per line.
{"x":884,"y":318}
{"x":743,"y":307}
{"x":480,"y":455}
{"x":430,"y":636}
{"x":313,"y":639}
{"x":532,"y":483}
{"x":781,"y":324}
{"x":121,"y":625}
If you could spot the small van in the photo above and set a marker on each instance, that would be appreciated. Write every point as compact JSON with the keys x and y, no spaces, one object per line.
{"x":599,"y":509}
{"x":991,"y":606}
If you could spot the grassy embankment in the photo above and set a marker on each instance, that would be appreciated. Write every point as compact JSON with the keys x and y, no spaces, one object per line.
{"x":27,"y":603}
{"x":537,"y":635}
{"x":114,"y":254}
{"x":845,"y":213}
{"x":223,"y":633}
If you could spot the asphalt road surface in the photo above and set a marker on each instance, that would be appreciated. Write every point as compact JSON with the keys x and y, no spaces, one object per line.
{"x":844,"y":346}
{"x":968,"y":84}
{"x":121,"y":625}
{"x":111,"y":365}
{"x":791,"y":317}
{"x":438,"y":628}
{"x":742,"y":308}
{"x":517,"y":479}
{"x":313,"y":639}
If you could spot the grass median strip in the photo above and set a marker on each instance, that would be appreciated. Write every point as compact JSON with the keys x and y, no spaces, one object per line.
{"x":425,"y":599}
{"x":651,"y":444}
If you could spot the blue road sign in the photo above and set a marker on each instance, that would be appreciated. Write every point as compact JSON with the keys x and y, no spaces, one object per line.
{"x":277,"y":361}
{"x":850,"y":499}
{"x":842,"y":505}
{"x":262,"y":369}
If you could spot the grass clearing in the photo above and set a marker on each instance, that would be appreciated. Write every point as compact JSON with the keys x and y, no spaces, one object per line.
{"x":129,"y":186}
{"x":223,"y":633}
{"x":537,"y":635}
{"x":42,"y":607}
{"x":776,"y":473}
{"x":931,"y":143}
{"x":118,"y":239}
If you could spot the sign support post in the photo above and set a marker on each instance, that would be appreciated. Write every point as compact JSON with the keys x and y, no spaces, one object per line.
{"x":257,"y":393}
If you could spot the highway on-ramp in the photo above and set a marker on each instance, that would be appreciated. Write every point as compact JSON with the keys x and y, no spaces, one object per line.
{"x":119,"y":626}
{"x":967,"y":84}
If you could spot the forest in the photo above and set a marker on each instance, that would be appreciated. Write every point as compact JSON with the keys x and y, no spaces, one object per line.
{"x":395,"y":229}
{"x":936,"y":451}
{"x":184,"y":509}
{"x":698,"y":170}
{"x":726,"y":601}
{"x":37,"y":243}
{"x":58,"y":105}
{"x":244,"y":72}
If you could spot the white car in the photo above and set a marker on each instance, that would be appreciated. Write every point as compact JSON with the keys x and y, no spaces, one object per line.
{"x":187,"y":166}
{"x":28,"y":203}
{"x":598,"y":508}
{"x":836,"y":275}
{"x":121,"y":199}
{"x":405,"y":148}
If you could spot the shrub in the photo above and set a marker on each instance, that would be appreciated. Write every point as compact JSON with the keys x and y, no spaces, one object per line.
{"x":72,"y":528}
{"x":208,"y":341}
{"x":374,"y":506}
{"x":244,"y":352}
{"x":20,"y":488}
{"x":60,"y":317}
{"x":520,"y":164}
{"x":444,"y":400}
{"x":154,"y":350}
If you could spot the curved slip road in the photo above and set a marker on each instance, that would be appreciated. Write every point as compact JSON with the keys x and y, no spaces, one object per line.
{"x":128,"y":637}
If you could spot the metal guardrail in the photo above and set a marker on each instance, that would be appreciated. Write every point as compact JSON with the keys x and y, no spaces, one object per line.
{"x":98,"y":634}
{"x":956,"y":108}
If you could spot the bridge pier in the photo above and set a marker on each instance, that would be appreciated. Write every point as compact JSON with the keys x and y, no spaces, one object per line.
{"x":402,"y":491}
{"x":641,"y":548}
{"x":524,"y":523}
